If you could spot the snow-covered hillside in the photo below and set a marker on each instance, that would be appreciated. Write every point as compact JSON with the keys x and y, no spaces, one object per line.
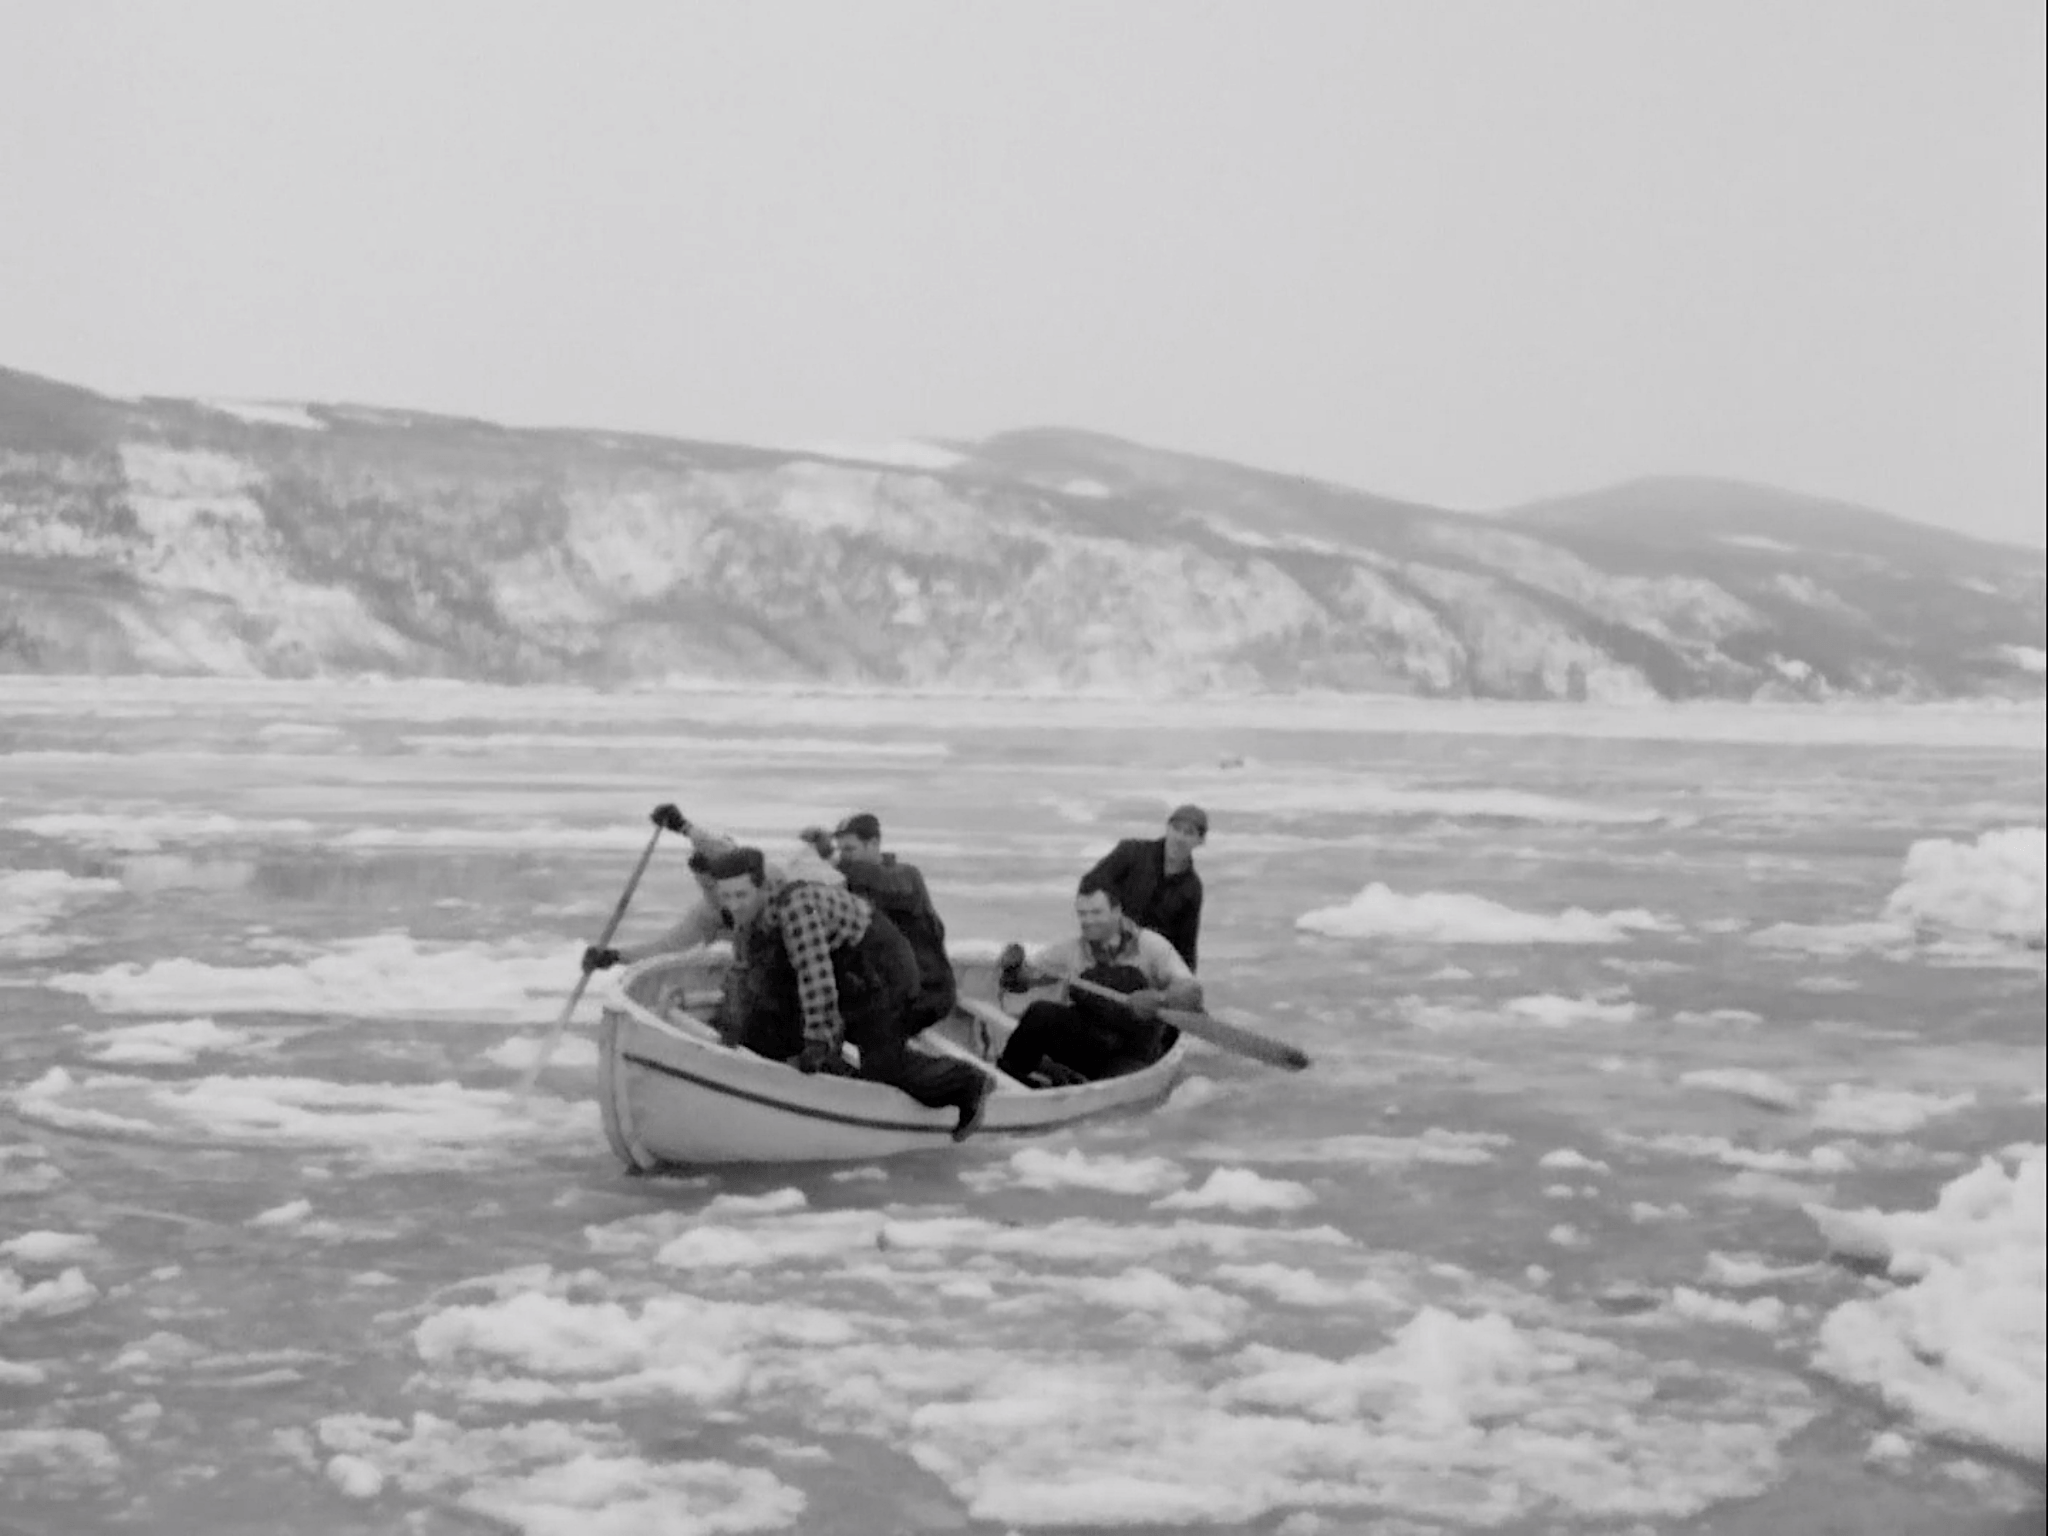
{"x":288,"y":539}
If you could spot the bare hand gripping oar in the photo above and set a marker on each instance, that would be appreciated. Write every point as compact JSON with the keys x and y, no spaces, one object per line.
{"x":1229,"y":1037}
{"x":554,"y":1038}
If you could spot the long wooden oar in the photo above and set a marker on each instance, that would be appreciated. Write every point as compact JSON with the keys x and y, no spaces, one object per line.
{"x":1229,"y":1037}
{"x":554,"y":1038}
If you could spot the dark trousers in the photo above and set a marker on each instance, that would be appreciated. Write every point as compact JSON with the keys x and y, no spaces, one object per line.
{"x":877,"y":986}
{"x":1090,"y":1044}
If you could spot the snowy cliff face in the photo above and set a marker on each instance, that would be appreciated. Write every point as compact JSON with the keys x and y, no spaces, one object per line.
{"x":225,"y":537}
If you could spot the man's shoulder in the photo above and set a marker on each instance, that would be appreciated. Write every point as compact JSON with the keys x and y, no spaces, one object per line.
{"x":1155,"y":949}
{"x":1152,"y":944}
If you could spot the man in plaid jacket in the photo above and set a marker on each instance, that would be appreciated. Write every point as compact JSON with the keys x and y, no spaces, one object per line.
{"x":825,"y":968}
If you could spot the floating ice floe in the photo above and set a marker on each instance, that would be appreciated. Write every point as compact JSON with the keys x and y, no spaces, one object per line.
{"x":1960,"y":1345}
{"x":51,"y":1248}
{"x":68,"y":1291}
{"x":1237,"y":792}
{"x":1996,"y":887}
{"x":386,"y":975}
{"x":32,"y":900}
{"x":1431,"y":1413}
{"x":1434,"y":1145}
{"x":26,"y":1169}
{"x":1857,"y":1111}
{"x":1961,"y":902}
{"x":1452,"y":917}
{"x":390,"y":1124}
{"x":1239,"y":1189}
{"x":146,"y":832}
{"x":1037,"y":1168}
{"x":171,"y":1042}
{"x":54,"y":1459}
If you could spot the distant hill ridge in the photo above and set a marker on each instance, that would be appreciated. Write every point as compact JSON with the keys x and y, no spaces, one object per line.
{"x":170,"y":535}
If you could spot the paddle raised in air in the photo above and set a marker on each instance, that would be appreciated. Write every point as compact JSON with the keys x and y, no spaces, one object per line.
{"x":554,"y":1036}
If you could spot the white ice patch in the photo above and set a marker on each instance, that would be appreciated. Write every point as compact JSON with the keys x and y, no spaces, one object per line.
{"x":169,"y":1043}
{"x":67,"y":1292}
{"x":1996,"y":887}
{"x":31,"y":900}
{"x":146,"y":832}
{"x":1566,"y":1157}
{"x":1742,"y":1271}
{"x":387,"y":975}
{"x":26,"y":1169}
{"x":1766,"y":1314}
{"x":1239,"y":792}
{"x":1858,"y":1111}
{"x":1435,"y":1145}
{"x":1728,"y":1154}
{"x":1553,"y":1012}
{"x":1450,"y":917}
{"x":388,"y":1124}
{"x":1834,"y":941}
{"x":1036,"y":1168}
{"x":1468,"y":1420}
{"x":1296,"y":1287}
{"x":1239,"y":1189}
{"x":49,"y":1248}
{"x":554,"y":1478}
{"x":52,"y":1458}
{"x":572,"y":1053}
{"x":1960,"y":1346}
{"x":748,"y":749}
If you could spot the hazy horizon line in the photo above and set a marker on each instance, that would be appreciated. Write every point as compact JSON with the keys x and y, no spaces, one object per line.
{"x":849,"y":448}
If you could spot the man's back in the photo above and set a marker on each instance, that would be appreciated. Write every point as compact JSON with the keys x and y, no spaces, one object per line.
{"x":899,"y":890}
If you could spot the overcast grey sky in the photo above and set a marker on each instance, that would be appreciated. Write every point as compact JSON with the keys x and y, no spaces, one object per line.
{"x":1466,"y":253}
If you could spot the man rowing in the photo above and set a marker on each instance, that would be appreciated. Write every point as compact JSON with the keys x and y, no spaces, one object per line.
{"x":1086,"y":1037}
{"x":824,"y":967}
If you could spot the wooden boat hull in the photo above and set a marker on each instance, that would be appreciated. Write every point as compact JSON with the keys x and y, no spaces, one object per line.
{"x":675,"y":1097}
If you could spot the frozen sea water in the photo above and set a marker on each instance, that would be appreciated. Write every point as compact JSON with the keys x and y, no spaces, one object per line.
{"x":1600,"y":1002}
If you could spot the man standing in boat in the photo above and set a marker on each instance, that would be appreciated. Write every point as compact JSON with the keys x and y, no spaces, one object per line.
{"x":1155,"y":880}
{"x":899,"y":890}
{"x":824,"y":967}
{"x":1085,"y":1038}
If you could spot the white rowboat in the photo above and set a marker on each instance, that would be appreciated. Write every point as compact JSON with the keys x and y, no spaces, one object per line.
{"x":675,"y":1096}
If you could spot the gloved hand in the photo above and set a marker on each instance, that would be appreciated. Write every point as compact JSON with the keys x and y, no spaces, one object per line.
{"x":821,"y":841}
{"x":817,"y":1056}
{"x":1145,"y":1004}
{"x":595,"y":959}
{"x":1010,"y":968}
{"x":669,"y":818}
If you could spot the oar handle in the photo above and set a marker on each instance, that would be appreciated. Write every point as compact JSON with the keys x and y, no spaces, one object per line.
{"x":1107,"y":994}
{"x":604,"y":940}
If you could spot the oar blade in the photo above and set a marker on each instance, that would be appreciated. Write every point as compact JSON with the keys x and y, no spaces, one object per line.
{"x":1235,"y":1037}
